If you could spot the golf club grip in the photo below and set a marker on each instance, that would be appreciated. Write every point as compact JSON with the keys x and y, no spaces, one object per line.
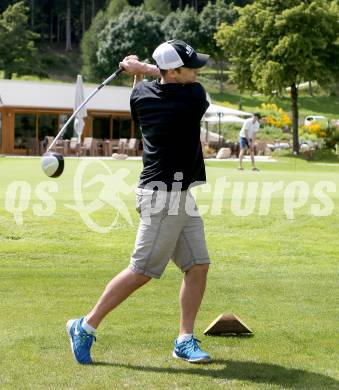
{"x":110,"y":78}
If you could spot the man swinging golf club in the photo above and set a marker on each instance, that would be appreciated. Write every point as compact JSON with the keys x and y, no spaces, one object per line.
{"x":169,"y":111}
{"x":247,"y":137}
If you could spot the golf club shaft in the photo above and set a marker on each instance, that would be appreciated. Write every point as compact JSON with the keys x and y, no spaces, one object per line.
{"x":110,"y":78}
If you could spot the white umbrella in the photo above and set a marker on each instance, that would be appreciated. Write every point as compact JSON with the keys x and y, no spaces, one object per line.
{"x":214,"y":109}
{"x":224,"y":119}
{"x":79,"y":122}
{"x":219,"y":119}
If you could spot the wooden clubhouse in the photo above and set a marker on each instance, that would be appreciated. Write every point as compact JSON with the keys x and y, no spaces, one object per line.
{"x":31,"y":111}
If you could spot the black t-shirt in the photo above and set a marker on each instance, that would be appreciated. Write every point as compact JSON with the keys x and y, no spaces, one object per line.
{"x":169,"y":116}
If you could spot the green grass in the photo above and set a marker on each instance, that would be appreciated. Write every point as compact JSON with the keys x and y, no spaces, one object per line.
{"x":279,"y":275}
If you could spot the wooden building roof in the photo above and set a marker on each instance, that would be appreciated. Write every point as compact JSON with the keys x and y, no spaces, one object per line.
{"x":61,"y":96}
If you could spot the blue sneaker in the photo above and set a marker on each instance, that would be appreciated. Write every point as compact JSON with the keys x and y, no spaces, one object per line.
{"x":81,"y":341}
{"x":190,"y":351}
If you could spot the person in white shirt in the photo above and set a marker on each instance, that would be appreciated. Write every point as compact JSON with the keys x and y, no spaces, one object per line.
{"x":247,"y":137}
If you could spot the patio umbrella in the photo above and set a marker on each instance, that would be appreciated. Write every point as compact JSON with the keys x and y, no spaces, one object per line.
{"x":220,"y":118}
{"x":224,"y":119}
{"x":214,"y":109}
{"x":79,"y":122}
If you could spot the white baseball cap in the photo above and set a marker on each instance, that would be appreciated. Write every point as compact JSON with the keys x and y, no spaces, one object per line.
{"x":175,"y":53}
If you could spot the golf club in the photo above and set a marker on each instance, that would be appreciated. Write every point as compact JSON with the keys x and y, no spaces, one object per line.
{"x":52,"y":163}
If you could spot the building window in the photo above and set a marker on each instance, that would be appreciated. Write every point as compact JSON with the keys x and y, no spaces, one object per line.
{"x":24,"y":130}
{"x":48,"y":126}
{"x":101,"y":127}
{"x":122,"y":128}
{"x":68,"y":133}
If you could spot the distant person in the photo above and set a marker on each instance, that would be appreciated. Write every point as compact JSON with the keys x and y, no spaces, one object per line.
{"x":247,"y":137}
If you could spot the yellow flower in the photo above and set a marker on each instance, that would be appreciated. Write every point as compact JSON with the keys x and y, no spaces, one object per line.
{"x":275,"y":116}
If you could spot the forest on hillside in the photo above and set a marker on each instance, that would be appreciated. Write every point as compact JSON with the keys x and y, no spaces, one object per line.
{"x":65,"y":21}
{"x":48,"y":37}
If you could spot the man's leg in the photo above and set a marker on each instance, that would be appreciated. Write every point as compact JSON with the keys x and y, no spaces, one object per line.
{"x":252,"y":159}
{"x":241,"y":156}
{"x":191,"y":294}
{"x":192,"y":290}
{"x":82,"y":331}
{"x":117,"y":290}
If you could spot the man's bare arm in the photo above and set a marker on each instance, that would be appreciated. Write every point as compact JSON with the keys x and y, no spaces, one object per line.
{"x":133,"y":66}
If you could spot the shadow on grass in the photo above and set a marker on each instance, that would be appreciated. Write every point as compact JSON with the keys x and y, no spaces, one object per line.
{"x":243,"y":371}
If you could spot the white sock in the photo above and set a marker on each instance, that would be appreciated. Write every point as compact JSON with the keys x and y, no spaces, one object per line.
{"x":184,"y":337}
{"x":87,"y":327}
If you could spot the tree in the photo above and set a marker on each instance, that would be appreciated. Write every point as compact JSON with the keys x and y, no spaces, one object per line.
{"x":68,"y":26}
{"x":242,"y":3}
{"x":89,"y":47}
{"x":134,"y":31}
{"x":90,"y":42}
{"x":115,"y":7}
{"x":184,"y":25}
{"x":211,"y":17}
{"x":17,"y":50}
{"x":162,"y":7}
{"x":278,"y":44}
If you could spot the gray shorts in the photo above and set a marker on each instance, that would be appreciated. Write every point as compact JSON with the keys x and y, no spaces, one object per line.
{"x":170,"y":228}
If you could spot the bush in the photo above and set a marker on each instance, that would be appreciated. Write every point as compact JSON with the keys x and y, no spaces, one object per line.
{"x":271,"y":133}
{"x":134,"y":31}
{"x":275,"y":116}
{"x":184,"y":25}
{"x":319,"y":130}
{"x":307,"y":137}
{"x":332,"y":137}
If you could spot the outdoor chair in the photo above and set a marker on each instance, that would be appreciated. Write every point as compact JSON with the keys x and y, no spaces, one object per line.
{"x":98,"y":147}
{"x":74,"y":146}
{"x":87,"y":147}
{"x":62,"y":146}
{"x":132,"y":148}
{"x":32,"y":146}
{"x":44,"y":144}
{"x":121,"y":147}
{"x":113,"y":147}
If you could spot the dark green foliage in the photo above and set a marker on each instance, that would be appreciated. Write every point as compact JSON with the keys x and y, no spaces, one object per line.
{"x":162,"y":7}
{"x":332,"y":138}
{"x":90,"y":42}
{"x":17,"y":50}
{"x":134,"y":31}
{"x":89,"y":47}
{"x":115,"y":7}
{"x":183,"y":25}
{"x":212,"y":16}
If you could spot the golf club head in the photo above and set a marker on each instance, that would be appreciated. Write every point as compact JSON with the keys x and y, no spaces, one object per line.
{"x":52,"y":163}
